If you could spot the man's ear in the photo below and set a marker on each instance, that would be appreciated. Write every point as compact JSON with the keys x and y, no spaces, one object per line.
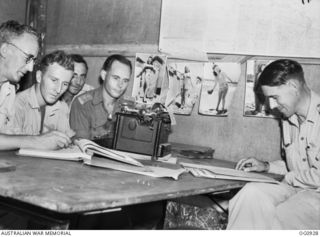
{"x":103,"y":74}
{"x":293,"y":83}
{"x":39,"y":76}
{"x":3,"y":50}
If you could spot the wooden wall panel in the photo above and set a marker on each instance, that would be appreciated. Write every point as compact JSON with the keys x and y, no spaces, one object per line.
{"x":13,"y":10}
{"x":103,"y":22}
{"x":91,"y":27}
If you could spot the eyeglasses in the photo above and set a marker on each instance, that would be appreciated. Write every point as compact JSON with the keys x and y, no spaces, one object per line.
{"x":29,"y":57}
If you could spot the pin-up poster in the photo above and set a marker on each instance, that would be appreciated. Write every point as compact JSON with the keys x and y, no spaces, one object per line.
{"x":218,"y":87}
{"x":184,"y":86}
{"x":255,"y":104}
{"x":149,"y":77}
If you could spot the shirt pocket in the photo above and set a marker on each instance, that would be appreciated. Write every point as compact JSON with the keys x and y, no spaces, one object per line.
{"x":102,"y":128}
{"x":314,"y":156}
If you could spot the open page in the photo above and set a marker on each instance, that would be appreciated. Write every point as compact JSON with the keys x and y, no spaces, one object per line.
{"x":157,"y":171}
{"x":71,"y":153}
{"x":88,"y":146}
{"x":209,"y":171}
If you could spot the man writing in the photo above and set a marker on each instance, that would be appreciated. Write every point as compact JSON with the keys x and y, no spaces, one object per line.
{"x":19,"y":46}
{"x":92,"y":114}
{"x":53,"y":78}
{"x":295,"y":203}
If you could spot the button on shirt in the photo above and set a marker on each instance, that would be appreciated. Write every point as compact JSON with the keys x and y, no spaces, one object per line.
{"x":301,"y":143}
{"x":89,"y":119}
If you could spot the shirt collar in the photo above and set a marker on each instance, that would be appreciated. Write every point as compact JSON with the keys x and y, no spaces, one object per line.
{"x":313,"y":111}
{"x":314,"y":108}
{"x":97,"y":98}
{"x":33,"y":98}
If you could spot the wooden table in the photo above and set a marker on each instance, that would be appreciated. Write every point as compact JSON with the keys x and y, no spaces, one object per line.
{"x":63,"y":188}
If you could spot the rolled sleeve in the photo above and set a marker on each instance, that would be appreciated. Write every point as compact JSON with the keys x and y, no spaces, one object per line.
{"x":278,"y":167}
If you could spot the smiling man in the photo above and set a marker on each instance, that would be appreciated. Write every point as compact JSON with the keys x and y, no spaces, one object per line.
{"x":295,"y":202}
{"x":53,"y":78}
{"x":92,"y":113}
{"x":78,"y":84}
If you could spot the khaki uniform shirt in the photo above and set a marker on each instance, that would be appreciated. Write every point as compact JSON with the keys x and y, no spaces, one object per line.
{"x":7,"y":97}
{"x":301,"y":143}
{"x":89,"y":119}
{"x":57,"y":118}
{"x":27,"y":118}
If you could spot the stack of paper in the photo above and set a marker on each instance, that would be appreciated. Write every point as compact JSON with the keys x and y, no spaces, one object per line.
{"x":214,"y":172}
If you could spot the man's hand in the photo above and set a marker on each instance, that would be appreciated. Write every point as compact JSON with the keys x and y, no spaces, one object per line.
{"x":252,"y":164}
{"x":51,"y":141}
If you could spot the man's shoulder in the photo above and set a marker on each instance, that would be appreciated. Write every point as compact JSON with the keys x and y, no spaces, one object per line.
{"x":316,"y":100}
{"x":85,"y":97}
{"x":23,"y":97}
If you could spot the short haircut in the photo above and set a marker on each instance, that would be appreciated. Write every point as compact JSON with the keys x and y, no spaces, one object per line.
{"x":77,"y":58}
{"x":12,"y":29}
{"x":279,"y":72}
{"x":59,"y":57}
{"x":157,"y":58}
{"x":116,"y":57}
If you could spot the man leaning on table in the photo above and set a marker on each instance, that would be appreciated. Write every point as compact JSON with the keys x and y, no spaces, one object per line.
{"x":295,"y":203}
{"x":19,"y":47}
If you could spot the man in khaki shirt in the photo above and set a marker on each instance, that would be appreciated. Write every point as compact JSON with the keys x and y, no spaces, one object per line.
{"x":295,"y":203}
{"x":60,"y":111}
{"x":92,"y":114}
{"x":53,"y":78}
{"x":19,"y":47}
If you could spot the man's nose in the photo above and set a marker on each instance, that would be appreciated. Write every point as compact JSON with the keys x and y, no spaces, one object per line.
{"x":59,"y":88}
{"x":30,"y":66}
{"x":120,"y":83}
{"x":273,"y":103}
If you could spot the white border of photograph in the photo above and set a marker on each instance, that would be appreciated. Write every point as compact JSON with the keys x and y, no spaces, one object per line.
{"x":220,"y":81}
{"x":149,"y":78}
{"x":252,"y":105}
{"x":185,"y":81}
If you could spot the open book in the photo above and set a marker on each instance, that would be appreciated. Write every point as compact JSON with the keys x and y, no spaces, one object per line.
{"x":82,"y":150}
{"x":214,"y":172}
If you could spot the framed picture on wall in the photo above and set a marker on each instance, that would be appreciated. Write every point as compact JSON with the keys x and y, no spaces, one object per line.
{"x":149,"y":74}
{"x":185,"y":81}
{"x":218,"y":87}
{"x":255,"y":104}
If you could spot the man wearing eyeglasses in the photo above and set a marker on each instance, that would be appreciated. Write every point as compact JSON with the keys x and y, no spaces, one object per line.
{"x":19,"y":47}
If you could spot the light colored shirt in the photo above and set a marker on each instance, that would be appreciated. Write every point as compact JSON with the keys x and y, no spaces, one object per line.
{"x":27,"y":118}
{"x":57,"y":118}
{"x":7,"y":97}
{"x":301,"y":143}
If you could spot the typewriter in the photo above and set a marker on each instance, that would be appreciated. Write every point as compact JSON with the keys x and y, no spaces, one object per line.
{"x":143,"y":130}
